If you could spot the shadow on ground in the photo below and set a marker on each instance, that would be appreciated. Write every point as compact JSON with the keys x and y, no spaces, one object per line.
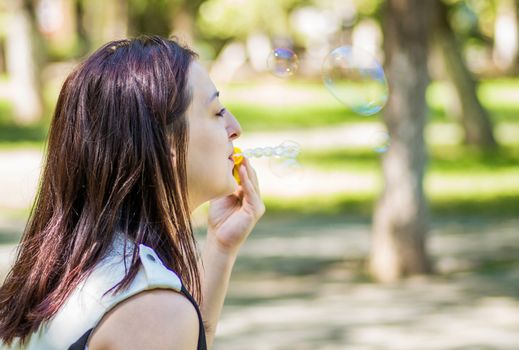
{"x":300,"y":283}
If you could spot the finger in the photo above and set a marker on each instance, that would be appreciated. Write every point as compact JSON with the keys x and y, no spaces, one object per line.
{"x":247,"y":184}
{"x":251,"y":195}
{"x":244,"y":177}
{"x":252,"y":174}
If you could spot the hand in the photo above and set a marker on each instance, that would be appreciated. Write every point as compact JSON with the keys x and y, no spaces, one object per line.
{"x":233,"y":217}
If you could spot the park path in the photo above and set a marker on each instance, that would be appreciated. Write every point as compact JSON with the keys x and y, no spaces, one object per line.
{"x":296,"y":286}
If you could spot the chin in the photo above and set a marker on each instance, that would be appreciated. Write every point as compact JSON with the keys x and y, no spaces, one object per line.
{"x":229,"y":188}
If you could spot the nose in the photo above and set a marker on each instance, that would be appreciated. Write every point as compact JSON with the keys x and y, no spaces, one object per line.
{"x":233,"y":127}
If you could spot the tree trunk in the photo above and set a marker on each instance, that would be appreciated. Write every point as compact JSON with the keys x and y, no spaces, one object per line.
{"x":476,"y":123}
{"x":22,"y":64}
{"x":105,"y":21}
{"x":83,"y":35}
{"x":183,"y":25}
{"x":400,"y":218}
{"x":151,"y":17}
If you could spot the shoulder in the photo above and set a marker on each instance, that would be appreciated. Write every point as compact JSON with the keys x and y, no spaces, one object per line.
{"x":154,"y":319}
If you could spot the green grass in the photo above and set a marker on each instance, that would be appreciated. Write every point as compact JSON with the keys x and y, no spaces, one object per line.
{"x":265,"y":118}
{"x":347,"y":205}
{"x":13,"y":135}
{"x":499,"y":97}
{"x":459,"y":180}
{"x":442,"y":159}
{"x":317,"y":107}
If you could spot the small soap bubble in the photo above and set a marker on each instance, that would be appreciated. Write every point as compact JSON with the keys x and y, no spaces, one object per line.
{"x":282,"y":62}
{"x":284,"y":164}
{"x":291,"y":149}
{"x":258,"y":152}
{"x":380,"y":141}
{"x":287,"y":168}
{"x":267,"y":151}
{"x":278,"y":151}
{"x":356,"y":79}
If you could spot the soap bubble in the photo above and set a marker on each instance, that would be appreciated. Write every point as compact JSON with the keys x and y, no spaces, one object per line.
{"x":380,"y":141}
{"x":288,"y":169}
{"x":356,"y":79}
{"x":282,"y":62}
{"x":284,"y":162}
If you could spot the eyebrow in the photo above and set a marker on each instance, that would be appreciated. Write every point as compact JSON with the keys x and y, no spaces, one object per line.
{"x":213,"y":96}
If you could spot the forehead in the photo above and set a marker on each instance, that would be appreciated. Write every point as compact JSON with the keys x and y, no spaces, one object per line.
{"x":201,"y":84}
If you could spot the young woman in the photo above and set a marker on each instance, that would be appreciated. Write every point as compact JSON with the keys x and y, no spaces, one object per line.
{"x":138,"y":141}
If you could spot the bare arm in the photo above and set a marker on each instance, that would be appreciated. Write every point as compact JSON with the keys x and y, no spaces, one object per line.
{"x":231,"y":219}
{"x":215,"y":281}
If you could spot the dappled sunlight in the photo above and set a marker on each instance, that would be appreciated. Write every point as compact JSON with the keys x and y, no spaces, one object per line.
{"x":273,"y":293}
{"x":426,"y":315}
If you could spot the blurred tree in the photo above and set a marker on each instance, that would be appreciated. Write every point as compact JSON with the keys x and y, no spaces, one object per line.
{"x":475,"y":120}
{"x":151,"y":16}
{"x":103,"y":20}
{"x":183,"y":25}
{"x":164,"y":17}
{"x":23,"y":62}
{"x":56,"y":21}
{"x":516,"y":9}
{"x":84,"y":41}
{"x":506,"y":35}
{"x":227,"y":20}
{"x":400,"y":218}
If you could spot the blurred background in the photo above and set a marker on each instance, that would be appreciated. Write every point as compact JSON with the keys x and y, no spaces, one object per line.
{"x":410,"y":245}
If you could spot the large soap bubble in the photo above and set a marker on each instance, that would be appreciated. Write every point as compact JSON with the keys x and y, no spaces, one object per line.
{"x":356,"y":79}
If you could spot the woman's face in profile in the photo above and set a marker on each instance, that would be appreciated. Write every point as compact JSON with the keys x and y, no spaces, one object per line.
{"x":212,"y":129}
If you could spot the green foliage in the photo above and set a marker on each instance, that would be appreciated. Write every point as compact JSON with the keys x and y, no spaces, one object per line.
{"x":473,"y":18}
{"x":152,"y":16}
{"x":368,"y":7}
{"x":235,"y":19}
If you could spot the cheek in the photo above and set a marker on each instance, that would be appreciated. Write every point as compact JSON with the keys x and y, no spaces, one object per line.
{"x":208,"y":147}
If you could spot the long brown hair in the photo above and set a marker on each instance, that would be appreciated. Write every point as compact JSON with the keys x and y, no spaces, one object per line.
{"x":115,"y":161}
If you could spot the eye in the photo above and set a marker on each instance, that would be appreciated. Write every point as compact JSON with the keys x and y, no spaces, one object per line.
{"x":222,"y":112}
